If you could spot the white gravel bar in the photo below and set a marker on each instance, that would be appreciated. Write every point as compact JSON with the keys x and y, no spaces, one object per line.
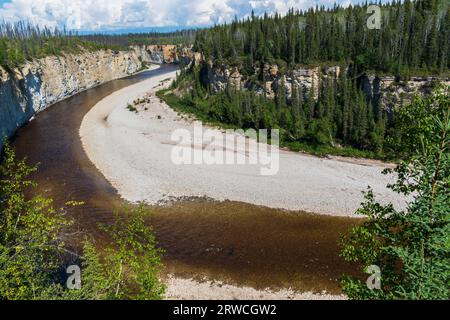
{"x":189,"y":289}
{"x":133,"y":151}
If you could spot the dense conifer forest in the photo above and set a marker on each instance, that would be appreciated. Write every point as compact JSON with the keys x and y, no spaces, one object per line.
{"x":413,"y":35}
{"x":413,"y":40}
{"x":23,"y":41}
{"x":341,"y":118}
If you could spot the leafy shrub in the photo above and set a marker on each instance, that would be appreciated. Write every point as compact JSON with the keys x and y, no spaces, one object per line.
{"x":132,"y":108}
{"x":410,"y":247}
{"x":32,"y":249}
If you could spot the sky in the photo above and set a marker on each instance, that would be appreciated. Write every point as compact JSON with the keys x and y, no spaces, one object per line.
{"x":136,"y":15}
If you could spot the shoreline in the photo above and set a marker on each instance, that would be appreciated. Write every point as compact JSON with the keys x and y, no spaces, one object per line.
{"x":190,"y":289}
{"x":133,"y":152}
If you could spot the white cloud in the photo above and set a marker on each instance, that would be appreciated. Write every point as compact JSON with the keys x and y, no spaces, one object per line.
{"x":113,"y":14}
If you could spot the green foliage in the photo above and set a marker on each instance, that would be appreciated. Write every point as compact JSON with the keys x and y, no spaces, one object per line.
{"x":128,"y":268}
{"x":30,"y":234}
{"x":339,"y":120}
{"x":32,"y":251}
{"x":411,"y":247}
{"x":132,"y":108}
{"x":414,"y":125}
{"x":413,"y":36}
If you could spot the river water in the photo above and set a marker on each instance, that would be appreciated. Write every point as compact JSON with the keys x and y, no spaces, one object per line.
{"x":233,"y":242}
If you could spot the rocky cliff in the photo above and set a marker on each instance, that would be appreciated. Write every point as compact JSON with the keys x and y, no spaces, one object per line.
{"x":43,"y":82}
{"x":385,"y":89}
{"x":391,"y":93}
{"x":168,"y":54}
{"x":40,"y":83}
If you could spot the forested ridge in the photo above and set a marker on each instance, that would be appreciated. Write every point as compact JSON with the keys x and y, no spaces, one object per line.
{"x":413,"y":35}
{"x":340,"y":118}
{"x":182,"y":37}
{"x":341,"y":121}
{"x":24,"y":41}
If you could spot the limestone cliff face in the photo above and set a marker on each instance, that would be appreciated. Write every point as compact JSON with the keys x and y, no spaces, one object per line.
{"x":304,"y":78}
{"x":391,"y":93}
{"x":168,"y":54}
{"x":40,"y":83}
{"x":43,"y":82}
{"x":385,"y":89}
{"x":219,"y":77}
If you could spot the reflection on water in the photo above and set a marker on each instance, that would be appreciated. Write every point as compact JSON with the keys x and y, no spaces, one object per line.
{"x":231,"y":241}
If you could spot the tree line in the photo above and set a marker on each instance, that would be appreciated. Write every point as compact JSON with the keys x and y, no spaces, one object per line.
{"x":413,"y":37}
{"x":181,"y":37}
{"x":22,"y":41}
{"x":340,"y":117}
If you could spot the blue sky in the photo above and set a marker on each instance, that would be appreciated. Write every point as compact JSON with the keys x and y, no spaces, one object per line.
{"x":136,"y":15}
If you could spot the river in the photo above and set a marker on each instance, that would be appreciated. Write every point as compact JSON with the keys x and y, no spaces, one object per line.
{"x":233,"y":242}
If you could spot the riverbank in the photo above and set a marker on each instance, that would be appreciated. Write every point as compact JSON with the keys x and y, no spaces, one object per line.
{"x":127,"y":135}
{"x":231,"y":250}
{"x":189,"y":289}
{"x":238,"y":244}
{"x":133,"y":149}
{"x":38,"y":84}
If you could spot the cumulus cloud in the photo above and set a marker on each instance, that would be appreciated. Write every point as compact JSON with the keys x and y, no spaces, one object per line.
{"x":115,"y":14}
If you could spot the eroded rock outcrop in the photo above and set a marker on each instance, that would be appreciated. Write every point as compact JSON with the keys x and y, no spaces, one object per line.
{"x":168,"y":54}
{"x":305,"y":78}
{"x":391,"y":93}
{"x":220,"y":77}
{"x":40,"y":83}
{"x":386,"y":90}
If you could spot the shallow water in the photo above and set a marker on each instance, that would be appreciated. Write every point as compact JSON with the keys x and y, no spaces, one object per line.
{"x":235,"y":242}
{"x":251,"y":245}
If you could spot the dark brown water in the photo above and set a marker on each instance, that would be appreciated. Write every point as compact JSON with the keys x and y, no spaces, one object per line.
{"x":65,"y":173}
{"x":235,"y":242}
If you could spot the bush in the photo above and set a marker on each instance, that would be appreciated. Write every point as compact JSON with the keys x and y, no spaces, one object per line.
{"x":128,"y":268}
{"x":32,"y":250}
{"x":132,"y":108}
{"x":410,"y":247}
{"x":30,"y":234}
